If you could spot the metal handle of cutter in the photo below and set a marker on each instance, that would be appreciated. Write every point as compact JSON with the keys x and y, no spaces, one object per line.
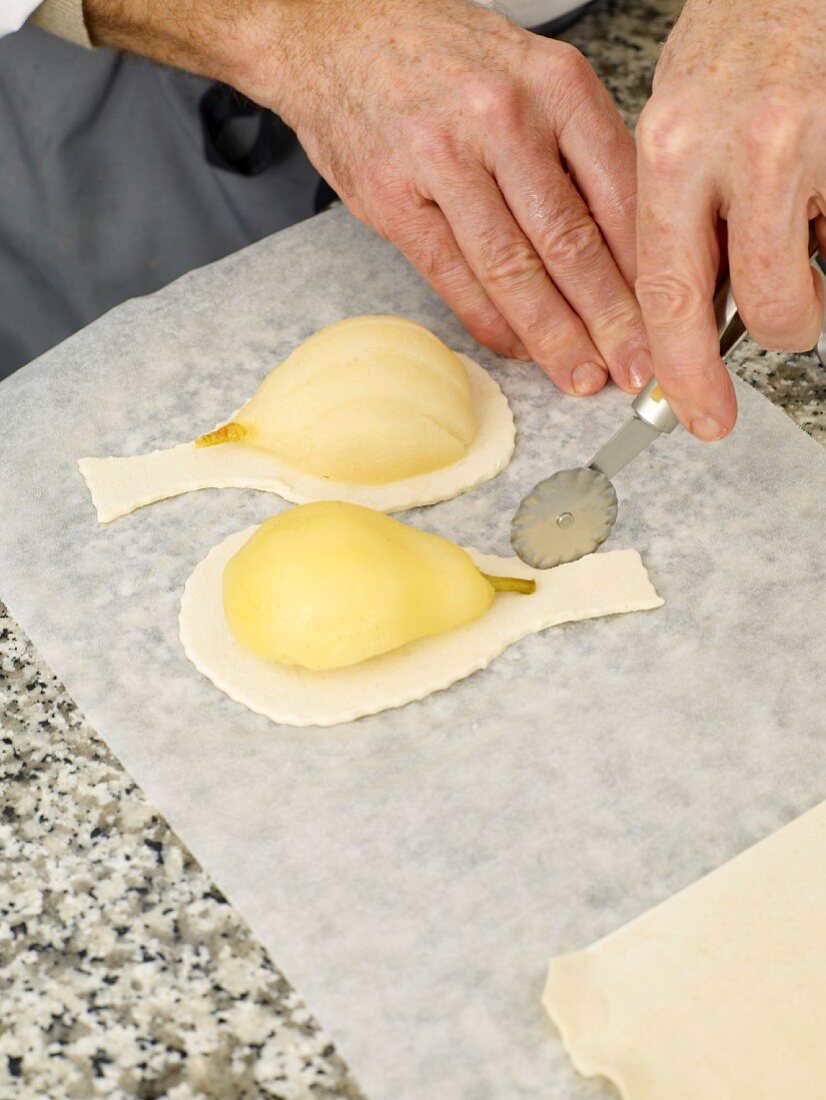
{"x":817,"y":264}
{"x":651,"y":406}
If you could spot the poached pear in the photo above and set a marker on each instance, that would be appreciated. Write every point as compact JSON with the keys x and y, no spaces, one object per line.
{"x":367,"y":400}
{"x":331,"y":584}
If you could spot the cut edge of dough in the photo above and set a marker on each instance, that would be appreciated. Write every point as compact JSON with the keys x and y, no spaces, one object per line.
{"x":580,"y":993}
{"x":121,"y":485}
{"x":562,"y":984}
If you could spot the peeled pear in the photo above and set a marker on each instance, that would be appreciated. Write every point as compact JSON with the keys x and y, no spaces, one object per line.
{"x":367,"y":400}
{"x":330,"y":584}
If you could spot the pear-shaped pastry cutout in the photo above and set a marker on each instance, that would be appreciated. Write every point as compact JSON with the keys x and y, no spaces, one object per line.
{"x":373,"y":410}
{"x":329,"y":612}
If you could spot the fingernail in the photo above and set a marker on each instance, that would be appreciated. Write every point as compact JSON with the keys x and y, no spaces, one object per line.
{"x":521,"y":352}
{"x":641,"y":369}
{"x":588,"y":378}
{"x":707,"y":429}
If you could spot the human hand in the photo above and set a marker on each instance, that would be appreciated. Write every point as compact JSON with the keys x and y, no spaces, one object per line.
{"x":493,"y":158}
{"x":736,"y":130}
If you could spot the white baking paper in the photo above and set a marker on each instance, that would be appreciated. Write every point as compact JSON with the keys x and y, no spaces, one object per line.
{"x":412,"y":873}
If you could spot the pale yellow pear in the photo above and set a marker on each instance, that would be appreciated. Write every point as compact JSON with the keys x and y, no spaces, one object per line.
{"x":367,"y":400}
{"x":330,"y":584}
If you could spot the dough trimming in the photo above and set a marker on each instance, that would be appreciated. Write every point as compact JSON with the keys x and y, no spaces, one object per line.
{"x":718,"y":993}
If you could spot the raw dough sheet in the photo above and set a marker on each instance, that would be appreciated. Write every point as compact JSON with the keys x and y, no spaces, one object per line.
{"x":121,"y":485}
{"x":413,"y":872}
{"x":718,"y":992}
{"x":602,"y":584}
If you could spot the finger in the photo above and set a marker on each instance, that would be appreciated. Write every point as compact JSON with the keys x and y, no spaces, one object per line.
{"x":602,"y":158}
{"x":557,"y":222}
{"x":778,"y":294}
{"x":678,"y":264}
{"x":515,"y":279}
{"x":427,"y":241}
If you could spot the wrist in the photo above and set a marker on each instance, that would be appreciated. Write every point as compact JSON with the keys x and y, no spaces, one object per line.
{"x":272,"y":50}
{"x":301,"y":56}
{"x":285,"y":52}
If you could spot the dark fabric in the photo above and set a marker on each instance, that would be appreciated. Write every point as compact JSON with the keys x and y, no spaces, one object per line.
{"x":106,"y":191}
{"x":239,"y":135}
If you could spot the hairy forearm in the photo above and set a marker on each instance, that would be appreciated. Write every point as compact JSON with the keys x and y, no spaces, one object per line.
{"x":277,"y":52}
{"x":227,"y":40}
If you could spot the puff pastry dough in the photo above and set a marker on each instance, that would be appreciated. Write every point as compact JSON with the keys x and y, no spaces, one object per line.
{"x":717,"y":994}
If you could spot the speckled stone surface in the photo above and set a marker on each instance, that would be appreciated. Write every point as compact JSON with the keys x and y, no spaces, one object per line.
{"x":123,"y":972}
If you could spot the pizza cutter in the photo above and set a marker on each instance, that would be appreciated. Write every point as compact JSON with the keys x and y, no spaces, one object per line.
{"x":572,"y":512}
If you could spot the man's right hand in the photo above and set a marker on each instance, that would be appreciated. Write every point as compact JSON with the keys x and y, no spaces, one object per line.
{"x":735,"y":131}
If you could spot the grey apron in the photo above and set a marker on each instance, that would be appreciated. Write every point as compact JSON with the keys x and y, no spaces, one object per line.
{"x":106,"y":191}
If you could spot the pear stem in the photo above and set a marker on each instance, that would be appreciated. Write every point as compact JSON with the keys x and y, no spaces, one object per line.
{"x":227,"y":433}
{"x":523,"y":585}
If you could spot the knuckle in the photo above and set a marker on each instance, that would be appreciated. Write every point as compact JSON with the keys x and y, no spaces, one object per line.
{"x":570,"y":84}
{"x":429,"y":250}
{"x":574,"y":65}
{"x":391,"y":216}
{"x":507,"y":261}
{"x":619,"y":317}
{"x":667,"y":134}
{"x":775,"y":132}
{"x":780,"y":104}
{"x":621,"y":216}
{"x":497,"y":104}
{"x":669,"y":299}
{"x":435,"y":260}
{"x":572,"y":243}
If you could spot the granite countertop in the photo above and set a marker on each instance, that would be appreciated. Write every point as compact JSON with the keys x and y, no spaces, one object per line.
{"x":123,"y":971}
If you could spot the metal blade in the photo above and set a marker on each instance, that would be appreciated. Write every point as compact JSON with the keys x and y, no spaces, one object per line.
{"x":734,"y":333}
{"x":632,"y":438}
{"x":564,"y":517}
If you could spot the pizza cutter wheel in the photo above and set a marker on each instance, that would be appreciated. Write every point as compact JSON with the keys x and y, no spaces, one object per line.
{"x":571,"y":513}
{"x":565,"y":517}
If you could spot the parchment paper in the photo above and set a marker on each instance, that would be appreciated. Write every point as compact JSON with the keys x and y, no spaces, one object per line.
{"x":413,"y":872}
